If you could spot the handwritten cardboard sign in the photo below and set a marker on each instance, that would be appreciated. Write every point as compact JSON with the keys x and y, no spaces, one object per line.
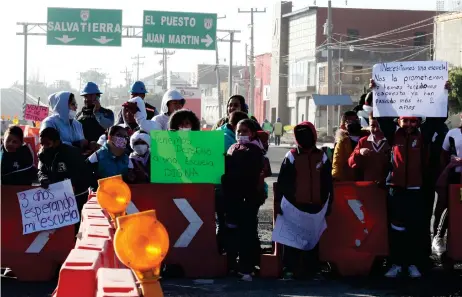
{"x":410,"y":89}
{"x":299,"y":229}
{"x":46,"y":209}
{"x":187,"y":156}
{"x":35,"y":112}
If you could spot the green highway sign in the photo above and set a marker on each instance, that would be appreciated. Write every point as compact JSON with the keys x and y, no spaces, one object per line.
{"x":75,"y":26}
{"x":182,"y":30}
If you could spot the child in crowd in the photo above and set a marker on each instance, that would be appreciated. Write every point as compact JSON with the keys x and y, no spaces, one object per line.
{"x":140,"y":142}
{"x":171,"y":102}
{"x":17,"y":159}
{"x":346,"y":140}
{"x":59,"y":161}
{"x":230,"y":127}
{"x":241,"y":184}
{"x":305,"y":180}
{"x":372,"y":154}
{"x":185,"y":120}
{"x":111,"y":158}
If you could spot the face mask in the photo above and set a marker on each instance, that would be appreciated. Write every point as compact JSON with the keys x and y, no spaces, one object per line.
{"x":243,"y":139}
{"x":354,"y":128}
{"x":119,"y":142}
{"x":184,"y":129}
{"x":72,"y":114}
{"x":140,"y":149}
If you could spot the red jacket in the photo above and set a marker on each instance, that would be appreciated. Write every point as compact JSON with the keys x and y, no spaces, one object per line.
{"x":409,"y":160}
{"x":376,"y":165}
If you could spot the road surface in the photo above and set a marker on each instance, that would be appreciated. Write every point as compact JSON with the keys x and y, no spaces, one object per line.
{"x":435,"y":283}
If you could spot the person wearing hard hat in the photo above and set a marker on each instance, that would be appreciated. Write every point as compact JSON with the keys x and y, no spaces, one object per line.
{"x":94,"y":118}
{"x":171,"y":102}
{"x":138,"y":89}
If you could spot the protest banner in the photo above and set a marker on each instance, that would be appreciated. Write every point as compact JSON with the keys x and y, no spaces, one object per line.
{"x":46,"y":209}
{"x":187,"y":157}
{"x":299,"y":229}
{"x":35,"y":112}
{"x":410,"y":89}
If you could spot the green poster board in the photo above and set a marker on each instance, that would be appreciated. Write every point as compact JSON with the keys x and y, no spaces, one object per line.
{"x":193,"y":157}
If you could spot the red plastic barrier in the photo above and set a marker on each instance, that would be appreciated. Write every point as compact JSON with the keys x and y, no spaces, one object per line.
{"x":32,"y":257}
{"x":77,"y":277}
{"x":455,"y":226}
{"x":116,"y":283}
{"x":357,"y":228}
{"x":196,"y":253}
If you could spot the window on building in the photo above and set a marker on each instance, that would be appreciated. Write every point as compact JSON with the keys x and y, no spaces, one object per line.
{"x":353,"y":34}
{"x":420,"y":38}
{"x":322,"y":74}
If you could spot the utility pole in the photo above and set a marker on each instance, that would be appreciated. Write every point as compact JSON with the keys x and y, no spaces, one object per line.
{"x":165,"y":53}
{"x":217,"y":72}
{"x":231,"y":41}
{"x":251,"y":58}
{"x":128,"y":77}
{"x":329,"y":65}
{"x":137,"y":64}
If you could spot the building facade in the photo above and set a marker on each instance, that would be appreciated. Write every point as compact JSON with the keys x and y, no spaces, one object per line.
{"x":448,"y":39}
{"x":262,"y":102}
{"x":299,"y":53}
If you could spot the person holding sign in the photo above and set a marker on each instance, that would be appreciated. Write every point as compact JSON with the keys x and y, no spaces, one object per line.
{"x":17,"y":160}
{"x":241,"y":186}
{"x":305,"y":181}
{"x":184,"y":120}
{"x":171,"y":102}
{"x":140,"y":143}
{"x":94,"y":118}
{"x":59,"y":161}
{"x":111,"y":159}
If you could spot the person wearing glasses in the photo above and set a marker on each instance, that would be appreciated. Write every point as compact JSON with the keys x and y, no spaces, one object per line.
{"x":63,"y":119}
{"x":111,"y":159}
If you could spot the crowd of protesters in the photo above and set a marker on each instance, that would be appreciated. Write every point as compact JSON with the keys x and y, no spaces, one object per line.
{"x":411,"y":158}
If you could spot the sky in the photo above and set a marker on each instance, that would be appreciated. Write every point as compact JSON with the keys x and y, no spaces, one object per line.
{"x":52,"y":63}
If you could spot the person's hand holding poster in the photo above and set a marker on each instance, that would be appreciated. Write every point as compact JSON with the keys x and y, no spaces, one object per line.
{"x":410,"y":89}
{"x":46,"y":209}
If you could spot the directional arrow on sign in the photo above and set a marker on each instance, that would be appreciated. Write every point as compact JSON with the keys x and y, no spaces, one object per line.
{"x":207,"y":40}
{"x":194,"y":220}
{"x":65,"y":39}
{"x":103,"y":40}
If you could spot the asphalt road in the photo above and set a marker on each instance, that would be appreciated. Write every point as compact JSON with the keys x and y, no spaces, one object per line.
{"x":437,"y":282}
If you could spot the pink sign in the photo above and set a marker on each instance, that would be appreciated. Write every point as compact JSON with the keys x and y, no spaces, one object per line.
{"x":35,"y":112}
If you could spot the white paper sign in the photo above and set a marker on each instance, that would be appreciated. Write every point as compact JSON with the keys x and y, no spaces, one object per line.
{"x":46,"y":209}
{"x":299,"y":229}
{"x":410,"y":89}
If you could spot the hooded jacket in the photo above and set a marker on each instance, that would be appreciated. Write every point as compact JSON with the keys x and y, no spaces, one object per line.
{"x":141,"y":164}
{"x":341,"y":171}
{"x":305,"y":178}
{"x":162,"y":119}
{"x":71,"y":131}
